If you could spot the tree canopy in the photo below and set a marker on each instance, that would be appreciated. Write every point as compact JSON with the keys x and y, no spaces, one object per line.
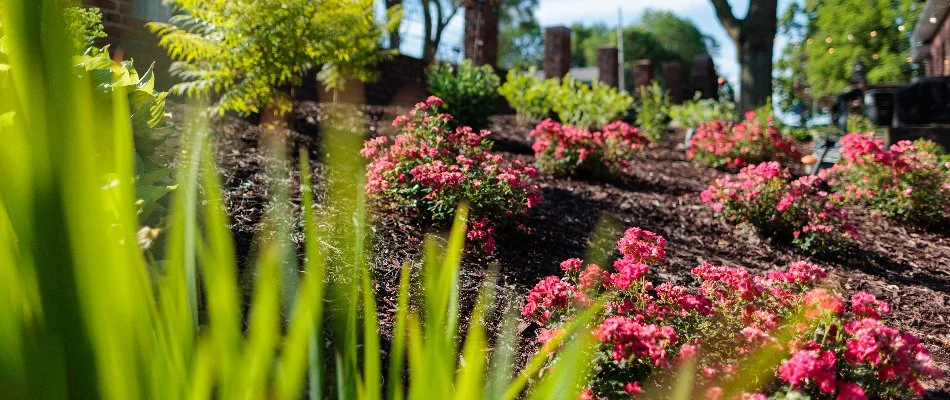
{"x":247,"y":51}
{"x":829,"y":36}
{"x":659,"y":36}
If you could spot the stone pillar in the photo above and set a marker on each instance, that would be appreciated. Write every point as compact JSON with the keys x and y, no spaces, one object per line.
{"x":608,"y":70}
{"x":481,"y":33}
{"x":557,"y":51}
{"x":704,"y":79}
{"x":642,"y":74}
{"x":673,"y":79}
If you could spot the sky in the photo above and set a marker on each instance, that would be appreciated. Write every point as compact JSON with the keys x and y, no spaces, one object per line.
{"x":567,"y":12}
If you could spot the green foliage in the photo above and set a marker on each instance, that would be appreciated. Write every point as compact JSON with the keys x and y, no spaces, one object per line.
{"x":653,"y":111}
{"x":860,"y":124}
{"x":84,"y":26}
{"x":248,"y":51}
{"x":469,"y":91}
{"x":833,"y":34}
{"x":153,"y":179}
{"x":84,"y":315}
{"x":520,"y":42}
{"x":587,"y":106}
{"x":530,"y":96}
{"x":697,"y":111}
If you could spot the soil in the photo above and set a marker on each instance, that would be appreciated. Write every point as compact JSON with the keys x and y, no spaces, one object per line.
{"x":910,"y":268}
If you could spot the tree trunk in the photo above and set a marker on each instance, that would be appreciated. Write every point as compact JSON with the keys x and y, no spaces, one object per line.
{"x":754,"y":37}
{"x":275,"y":122}
{"x":394,"y":38}
{"x":428,"y":50}
{"x":755,"y":61}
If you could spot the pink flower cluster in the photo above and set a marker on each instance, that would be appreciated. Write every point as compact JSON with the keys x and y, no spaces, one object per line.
{"x":565,"y":149}
{"x":732,"y":314}
{"x":727,"y":145}
{"x":431,"y":168}
{"x":800,"y":211}
{"x":906,"y":181}
{"x":632,"y":339}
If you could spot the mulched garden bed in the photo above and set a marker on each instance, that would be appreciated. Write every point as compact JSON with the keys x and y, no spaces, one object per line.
{"x":909,"y":268}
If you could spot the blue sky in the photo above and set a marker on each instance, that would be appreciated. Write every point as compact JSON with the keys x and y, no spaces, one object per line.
{"x":567,"y":12}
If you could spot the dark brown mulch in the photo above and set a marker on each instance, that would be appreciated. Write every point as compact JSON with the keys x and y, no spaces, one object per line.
{"x":910,"y":268}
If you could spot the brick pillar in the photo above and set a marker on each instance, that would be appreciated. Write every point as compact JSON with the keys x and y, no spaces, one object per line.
{"x":557,"y":51}
{"x":673,"y":79}
{"x":608,"y":70}
{"x":704,"y":79}
{"x":642,"y":73}
{"x":481,"y":29}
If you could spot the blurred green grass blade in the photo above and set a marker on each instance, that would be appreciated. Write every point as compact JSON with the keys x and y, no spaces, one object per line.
{"x":565,"y":379}
{"x":470,"y":380}
{"x":372,"y":379}
{"x":263,"y":326}
{"x":451,"y":262}
{"x":684,"y":379}
{"x":758,"y":368}
{"x":220,"y":279}
{"x":397,"y":349}
{"x":63,"y":361}
{"x":577,"y":326}
{"x":315,"y":268}
{"x":503,"y":354}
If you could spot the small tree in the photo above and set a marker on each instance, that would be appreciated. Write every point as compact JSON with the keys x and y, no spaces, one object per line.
{"x":250,"y":51}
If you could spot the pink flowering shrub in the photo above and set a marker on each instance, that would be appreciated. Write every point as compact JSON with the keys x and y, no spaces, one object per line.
{"x":431,"y":168}
{"x":565,"y":150}
{"x":906,"y":181}
{"x":799,"y":211}
{"x":730,"y":146}
{"x":828,"y":348}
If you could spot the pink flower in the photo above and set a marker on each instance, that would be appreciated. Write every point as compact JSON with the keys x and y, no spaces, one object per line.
{"x":865,"y":305}
{"x":810,"y":366}
{"x":642,"y":246}
{"x":571,"y":264}
{"x":632,"y":339}
{"x":632,"y":388}
{"x":850,"y":391}
{"x":627,"y":273}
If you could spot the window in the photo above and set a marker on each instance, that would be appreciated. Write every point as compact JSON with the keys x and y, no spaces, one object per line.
{"x":151,"y":10}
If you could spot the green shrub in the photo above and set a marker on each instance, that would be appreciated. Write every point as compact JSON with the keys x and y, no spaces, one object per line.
{"x":908,"y":181}
{"x":530,"y":96}
{"x":469,"y":91}
{"x":588,"y":106}
{"x":653,"y":111}
{"x":153,"y":179}
{"x":860,"y":124}
{"x":246,"y":52}
{"x":84,"y":26}
{"x":566,"y":150}
{"x":696,"y":112}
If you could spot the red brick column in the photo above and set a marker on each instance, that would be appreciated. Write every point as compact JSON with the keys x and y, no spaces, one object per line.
{"x":481,"y":33}
{"x":704,"y":79}
{"x":608,"y":70}
{"x":557,"y":51}
{"x":673,"y":80}
{"x":642,"y":73}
